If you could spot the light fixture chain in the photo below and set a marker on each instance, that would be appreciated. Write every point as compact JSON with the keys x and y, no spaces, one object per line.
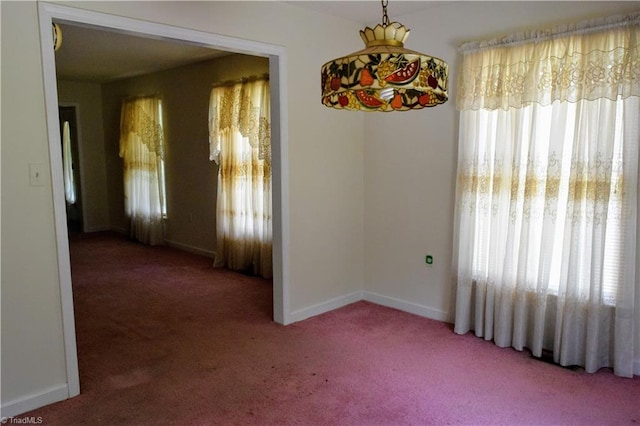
{"x":385,"y":17}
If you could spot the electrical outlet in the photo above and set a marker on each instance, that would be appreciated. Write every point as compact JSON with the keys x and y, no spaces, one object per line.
{"x":429,"y":260}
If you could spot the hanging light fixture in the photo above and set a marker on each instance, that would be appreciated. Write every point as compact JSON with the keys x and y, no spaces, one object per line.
{"x":384,"y":76}
{"x":57,"y":36}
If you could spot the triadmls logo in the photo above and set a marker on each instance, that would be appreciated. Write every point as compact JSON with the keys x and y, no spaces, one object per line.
{"x":25,"y":420}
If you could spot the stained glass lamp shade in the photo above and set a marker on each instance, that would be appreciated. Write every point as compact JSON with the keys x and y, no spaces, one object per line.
{"x":384,"y":76}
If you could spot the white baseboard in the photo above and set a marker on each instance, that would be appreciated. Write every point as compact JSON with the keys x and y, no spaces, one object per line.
{"x":89,"y":229}
{"x":190,"y":249}
{"x":35,"y":400}
{"x":390,"y":302}
{"x":403,"y":305}
{"x":329,"y":305}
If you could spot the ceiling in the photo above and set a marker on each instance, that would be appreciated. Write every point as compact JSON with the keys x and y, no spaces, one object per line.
{"x":101,"y":55}
{"x":366,"y":12}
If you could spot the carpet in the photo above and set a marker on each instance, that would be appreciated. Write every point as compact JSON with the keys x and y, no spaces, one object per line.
{"x":163,"y":338}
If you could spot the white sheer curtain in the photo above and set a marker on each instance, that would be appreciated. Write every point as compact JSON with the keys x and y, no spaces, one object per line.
{"x":67,"y":164}
{"x":240,"y":143}
{"x":547,"y":192}
{"x":142,"y":151}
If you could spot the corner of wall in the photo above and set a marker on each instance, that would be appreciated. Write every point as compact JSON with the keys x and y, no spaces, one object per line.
{"x":324,"y":307}
{"x":403,"y":305}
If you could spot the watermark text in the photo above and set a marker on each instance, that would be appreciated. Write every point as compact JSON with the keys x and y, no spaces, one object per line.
{"x":24,"y":420}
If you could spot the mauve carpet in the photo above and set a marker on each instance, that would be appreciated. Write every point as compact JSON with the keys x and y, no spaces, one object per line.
{"x":164,"y":339}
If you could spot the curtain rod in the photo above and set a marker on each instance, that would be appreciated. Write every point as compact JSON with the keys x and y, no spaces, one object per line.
{"x":584,"y":27}
{"x":264,"y":77}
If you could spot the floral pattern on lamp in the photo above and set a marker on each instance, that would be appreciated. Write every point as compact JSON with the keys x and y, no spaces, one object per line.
{"x":384,"y":76}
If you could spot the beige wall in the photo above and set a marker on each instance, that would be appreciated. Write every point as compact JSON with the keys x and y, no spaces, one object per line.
{"x":410,"y":159}
{"x":191,"y":177}
{"x":32,"y":347}
{"x":325,"y":164}
{"x":369,"y":195}
{"x":325,"y":209}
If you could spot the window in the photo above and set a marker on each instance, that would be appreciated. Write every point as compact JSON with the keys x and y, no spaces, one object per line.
{"x":67,"y":164}
{"x":532,"y":166}
{"x":142,"y":151}
{"x":547,"y":191}
{"x":240,"y":143}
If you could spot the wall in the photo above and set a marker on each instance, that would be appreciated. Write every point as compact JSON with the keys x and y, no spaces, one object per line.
{"x":191,"y":178}
{"x":325,"y":209}
{"x":32,"y":346}
{"x":87,"y":98}
{"x":410,"y":159}
{"x":351,"y":226}
{"x":325,"y":166}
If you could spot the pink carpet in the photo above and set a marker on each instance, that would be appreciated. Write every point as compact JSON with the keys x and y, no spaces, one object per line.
{"x":163,"y":339}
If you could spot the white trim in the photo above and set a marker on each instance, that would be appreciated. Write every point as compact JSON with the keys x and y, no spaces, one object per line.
{"x":378,"y":299}
{"x":36,"y":400}
{"x":100,"y":228}
{"x":324,"y":307}
{"x":191,"y":249}
{"x":138,"y":27}
{"x":59,"y":203}
{"x":403,"y":305}
{"x":280,"y":187}
{"x":277,"y":60}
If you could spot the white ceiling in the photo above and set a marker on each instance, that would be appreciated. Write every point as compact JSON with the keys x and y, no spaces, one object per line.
{"x":101,"y":55}
{"x":366,"y":12}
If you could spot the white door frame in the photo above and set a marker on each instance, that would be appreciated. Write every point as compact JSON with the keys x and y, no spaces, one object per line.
{"x":279,"y":140}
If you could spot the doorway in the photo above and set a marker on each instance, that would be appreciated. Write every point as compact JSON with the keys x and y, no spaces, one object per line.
{"x":277,"y":58}
{"x":71,"y":168}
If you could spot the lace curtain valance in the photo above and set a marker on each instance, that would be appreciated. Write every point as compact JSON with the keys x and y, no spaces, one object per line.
{"x":140,"y":116}
{"x":244,"y":107}
{"x":586,"y":61}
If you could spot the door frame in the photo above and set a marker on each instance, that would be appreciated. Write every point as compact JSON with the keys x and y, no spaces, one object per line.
{"x":279,"y":144}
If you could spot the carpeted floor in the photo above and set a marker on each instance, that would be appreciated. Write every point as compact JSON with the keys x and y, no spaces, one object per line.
{"x":164,"y":339}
